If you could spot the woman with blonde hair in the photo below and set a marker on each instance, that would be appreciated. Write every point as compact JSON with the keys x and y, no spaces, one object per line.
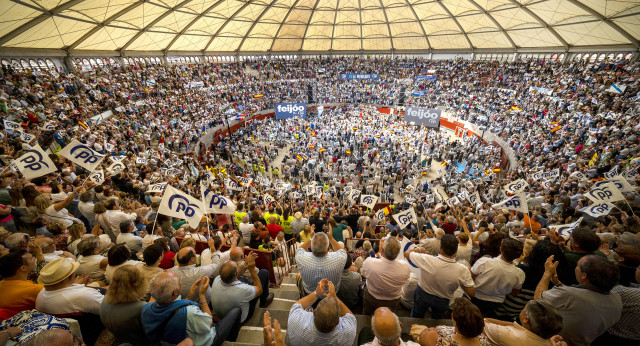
{"x":121,"y":307}
{"x":305,"y":234}
{"x":58,"y":211}
{"x":76,"y":231}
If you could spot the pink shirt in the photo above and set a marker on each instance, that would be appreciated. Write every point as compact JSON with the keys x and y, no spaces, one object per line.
{"x":385,"y":278}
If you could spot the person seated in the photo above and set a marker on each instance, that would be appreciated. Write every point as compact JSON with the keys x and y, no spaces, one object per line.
{"x":386,"y":329}
{"x":583,"y":242}
{"x":578,"y":305}
{"x":494,"y":278}
{"x":171,"y":320}
{"x":331,"y":323}
{"x":230,"y":292}
{"x":319,"y":263}
{"x":121,"y":307}
{"x":65,"y":295}
{"x":18,"y":292}
{"x":190,"y":273}
{"x":467,"y":329}
{"x":91,"y":261}
{"x":540,"y":322}
{"x":126,"y":236}
{"x":152,"y":256}
{"x":350,"y":282}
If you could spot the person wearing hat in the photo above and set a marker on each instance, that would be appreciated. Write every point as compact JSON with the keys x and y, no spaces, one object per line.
{"x":298,"y":223}
{"x":64,"y":293}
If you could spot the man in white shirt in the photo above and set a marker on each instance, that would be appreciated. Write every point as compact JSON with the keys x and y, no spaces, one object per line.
{"x":494,"y":278}
{"x":133,"y":242}
{"x":86,"y":206}
{"x":212,"y":254}
{"x":440,"y":277}
{"x":190,"y":273}
{"x":64,"y":294}
{"x":114,"y":216}
{"x":385,"y":277}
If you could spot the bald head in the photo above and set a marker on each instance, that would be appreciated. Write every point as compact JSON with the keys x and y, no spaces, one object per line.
{"x":386,"y":327}
{"x":235,"y":254}
{"x":228,"y":272}
{"x":56,"y":336}
{"x":186,"y":256}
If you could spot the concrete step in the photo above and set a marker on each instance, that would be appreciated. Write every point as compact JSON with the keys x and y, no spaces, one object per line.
{"x":281,"y":315}
{"x":253,"y":335}
{"x":230,"y":343}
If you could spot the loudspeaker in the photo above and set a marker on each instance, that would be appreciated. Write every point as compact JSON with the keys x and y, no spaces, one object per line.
{"x":402,"y":95}
{"x":309,"y":94}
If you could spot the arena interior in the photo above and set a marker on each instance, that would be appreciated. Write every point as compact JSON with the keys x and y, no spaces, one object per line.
{"x":319,"y":172}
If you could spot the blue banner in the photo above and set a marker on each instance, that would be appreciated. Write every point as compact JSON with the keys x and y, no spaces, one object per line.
{"x":427,"y":77}
{"x":350,"y":76}
{"x":418,"y":93}
{"x":291,"y":110}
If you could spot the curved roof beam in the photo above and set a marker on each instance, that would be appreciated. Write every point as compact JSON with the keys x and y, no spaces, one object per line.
{"x":542,"y":22}
{"x":495,"y":22}
{"x":333,"y":29}
{"x":225,"y":24}
{"x":275,"y":37}
{"x":457,"y":23}
{"x":173,"y":40}
{"x":613,"y":25}
{"x":256,"y":22}
{"x":103,"y":24}
{"x":150,"y":25}
{"x":306,"y":29}
{"x":424,"y":32}
{"x":37,"y":20}
{"x":386,"y":19}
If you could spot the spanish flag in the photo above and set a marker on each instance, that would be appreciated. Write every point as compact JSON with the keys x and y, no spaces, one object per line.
{"x":444,"y":163}
{"x":299,"y":157}
{"x":348,"y":152}
{"x":495,"y":170}
{"x":330,"y":164}
{"x":355,"y":129}
{"x":554,"y":122}
{"x":308,"y":128}
{"x":312,"y":146}
{"x":593,"y":159}
{"x":257,"y":96}
{"x":556,"y":128}
{"x":377,"y":136}
{"x":516,"y":109}
{"x":423,"y":173}
{"x":83,"y":125}
{"x":322,"y":150}
{"x":487,"y":172}
{"x":387,"y":210}
{"x":251,"y":137}
{"x":312,"y":133}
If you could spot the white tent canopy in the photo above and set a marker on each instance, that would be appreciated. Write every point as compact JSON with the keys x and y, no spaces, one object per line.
{"x":316,"y":25}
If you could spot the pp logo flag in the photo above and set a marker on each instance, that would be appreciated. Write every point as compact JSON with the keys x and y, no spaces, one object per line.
{"x":516,"y":187}
{"x":231,"y":185}
{"x":157,"y":187}
{"x":115,"y":168}
{"x":218,"y":204}
{"x":245,"y":181}
{"x":612,"y":173}
{"x":474,"y":198}
{"x":605,"y":192}
{"x":578,"y":175}
{"x":11,"y":126}
{"x":116,"y":158}
{"x":566,"y":229}
{"x":621,"y":183}
{"x":141,"y":161}
{"x":380,"y":214}
{"x":268,"y":199}
{"x":34,"y":163}
{"x":49,"y":127}
{"x":97,"y":177}
{"x":517,"y":202}
{"x":368,"y":201}
{"x":109,"y":146}
{"x":405,"y":218}
{"x":597,"y":210}
{"x":82,"y":155}
{"x":178,"y":204}
{"x":27,"y":138}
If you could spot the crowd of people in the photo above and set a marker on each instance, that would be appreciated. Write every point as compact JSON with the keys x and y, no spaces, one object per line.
{"x":99,"y":261}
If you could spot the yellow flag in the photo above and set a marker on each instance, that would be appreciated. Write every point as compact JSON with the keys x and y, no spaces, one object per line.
{"x":593,"y":159}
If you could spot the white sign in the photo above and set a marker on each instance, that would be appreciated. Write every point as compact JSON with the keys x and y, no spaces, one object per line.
{"x":178,"y":204}
{"x":34,"y":163}
{"x":82,"y":155}
{"x":517,"y":202}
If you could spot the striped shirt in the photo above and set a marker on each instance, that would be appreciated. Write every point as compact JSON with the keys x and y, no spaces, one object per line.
{"x":313,"y":269}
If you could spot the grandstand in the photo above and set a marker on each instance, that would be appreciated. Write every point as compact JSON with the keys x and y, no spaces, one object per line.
{"x":415,"y":172}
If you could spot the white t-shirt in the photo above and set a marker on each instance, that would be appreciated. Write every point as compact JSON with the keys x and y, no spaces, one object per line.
{"x":496,"y":278}
{"x":110,"y":270}
{"x":441,"y":276}
{"x":77,"y":298}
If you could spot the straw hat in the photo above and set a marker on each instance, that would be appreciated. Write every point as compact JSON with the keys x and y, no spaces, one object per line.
{"x":57,"y":271}
{"x":297,"y":216}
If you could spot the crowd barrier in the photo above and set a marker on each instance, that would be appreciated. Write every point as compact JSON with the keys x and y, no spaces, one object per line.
{"x":265,"y":259}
